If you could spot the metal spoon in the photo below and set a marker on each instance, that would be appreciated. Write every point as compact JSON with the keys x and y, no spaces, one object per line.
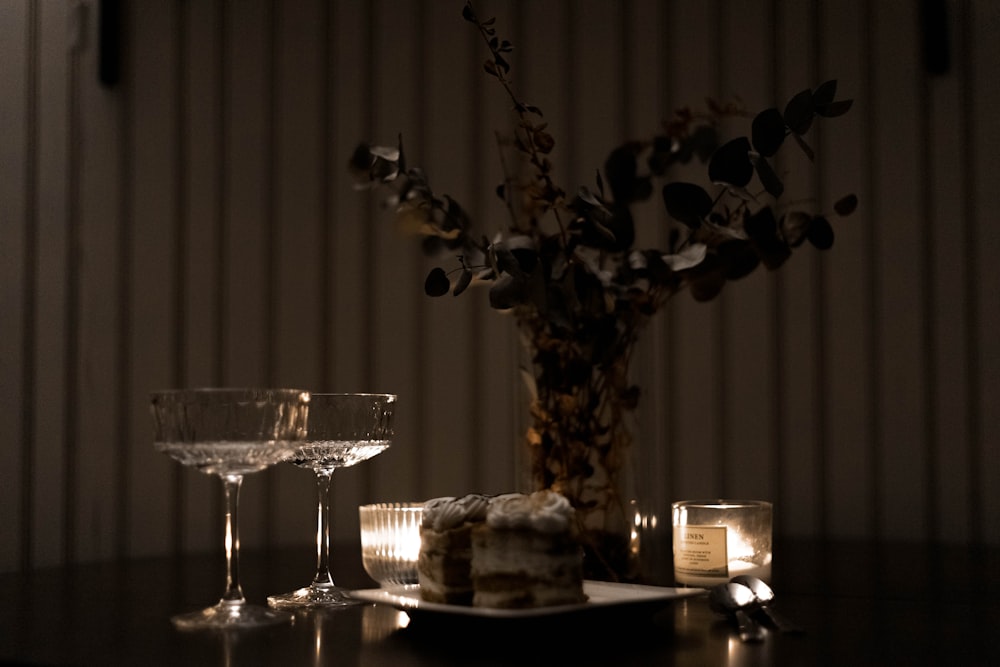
{"x":734,"y":600}
{"x":764,"y":597}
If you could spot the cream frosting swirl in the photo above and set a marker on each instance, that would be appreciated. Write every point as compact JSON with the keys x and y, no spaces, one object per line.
{"x":544,"y":511}
{"x":449,"y":512}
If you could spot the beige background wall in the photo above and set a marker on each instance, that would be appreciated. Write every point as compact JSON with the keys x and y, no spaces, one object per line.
{"x":195,"y":225}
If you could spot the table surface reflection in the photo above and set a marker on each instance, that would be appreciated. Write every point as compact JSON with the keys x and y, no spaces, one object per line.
{"x":860,"y":603}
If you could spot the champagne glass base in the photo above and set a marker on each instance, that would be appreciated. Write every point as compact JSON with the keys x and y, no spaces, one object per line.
{"x":313,"y":596}
{"x":230,"y":615}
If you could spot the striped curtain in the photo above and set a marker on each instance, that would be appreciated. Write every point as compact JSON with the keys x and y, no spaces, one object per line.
{"x":175,"y":210}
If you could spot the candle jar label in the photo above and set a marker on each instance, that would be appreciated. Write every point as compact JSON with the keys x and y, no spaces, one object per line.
{"x":701,"y":551}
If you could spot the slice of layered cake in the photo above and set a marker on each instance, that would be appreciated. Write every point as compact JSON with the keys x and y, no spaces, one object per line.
{"x":444,"y":563}
{"x":527,"y":553}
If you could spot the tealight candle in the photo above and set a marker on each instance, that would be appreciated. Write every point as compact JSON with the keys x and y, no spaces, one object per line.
{"x":390,"y":542}
{"x":715,"y":540}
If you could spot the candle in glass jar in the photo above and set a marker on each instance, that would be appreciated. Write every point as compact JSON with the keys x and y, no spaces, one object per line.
{"x":390,"y":542}
{"x":715,"y":540}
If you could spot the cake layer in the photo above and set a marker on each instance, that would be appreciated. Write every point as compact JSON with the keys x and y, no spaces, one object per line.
{"x":521,"y":568}
{"x":432,"y":591}
{"x":499,"y":551}
{"x":443,"y":566}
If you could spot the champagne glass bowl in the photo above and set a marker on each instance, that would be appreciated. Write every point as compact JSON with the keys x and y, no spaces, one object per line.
{"x":229,"y":433}
{"x":343,"y":430}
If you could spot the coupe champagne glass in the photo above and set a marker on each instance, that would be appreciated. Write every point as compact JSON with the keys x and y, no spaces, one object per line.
{"x":229,"y":433}
{"x":344,"y":429}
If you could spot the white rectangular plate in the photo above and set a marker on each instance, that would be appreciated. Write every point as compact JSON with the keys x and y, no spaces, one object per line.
{"x":600,"y":595}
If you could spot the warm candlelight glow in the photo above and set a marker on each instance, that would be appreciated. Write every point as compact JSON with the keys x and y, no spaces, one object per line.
{"x":408,"y":544}
{"x":390,"y":542}
{"x":743,"y":559}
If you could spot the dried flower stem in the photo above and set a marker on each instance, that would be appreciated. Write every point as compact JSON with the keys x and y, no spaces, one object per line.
{"x":531,"y":138}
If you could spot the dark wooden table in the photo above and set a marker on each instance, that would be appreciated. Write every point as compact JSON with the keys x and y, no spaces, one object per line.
{"x":860,"y":603}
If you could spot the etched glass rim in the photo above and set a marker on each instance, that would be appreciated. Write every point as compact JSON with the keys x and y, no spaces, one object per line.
{"x":231,"y":392}
{"x":721,"y":503}
{"x":217,"y":414}
{"x":350,"y":416}
{"x":328,"y":395}
{"x":403,"y":506}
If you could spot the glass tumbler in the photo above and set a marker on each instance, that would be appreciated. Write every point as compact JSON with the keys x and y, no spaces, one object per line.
{"x":390,"y":542}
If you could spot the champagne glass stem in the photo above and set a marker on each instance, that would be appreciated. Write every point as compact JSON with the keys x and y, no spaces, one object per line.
{"x":231,"y":486}
{"x":323,"y":576}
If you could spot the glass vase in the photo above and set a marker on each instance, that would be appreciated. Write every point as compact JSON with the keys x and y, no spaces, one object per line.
{"x":580,"y":442}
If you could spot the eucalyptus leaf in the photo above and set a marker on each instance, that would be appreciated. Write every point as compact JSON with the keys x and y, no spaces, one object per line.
{"x":768,"y":132}
{"x":794,"y":227}
{"x":586,"y":195}
{"x":730,"y":164}
{"x":386,"y":153}
{"x":768,"y":178}
{"x":835,"y":109}
{"x":825,"y":103}
{"x":707,"y":286}
{"x":687,"y":203}
{"x":825,"y":93}
{"x":762,"y":229}
{"x":799,"y":112}
{"x":821,"y":233}
{"x":691,"y":256}
{"x":437,"y":283}
{"x":846,"y":205}
{"x":463,"y":282}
